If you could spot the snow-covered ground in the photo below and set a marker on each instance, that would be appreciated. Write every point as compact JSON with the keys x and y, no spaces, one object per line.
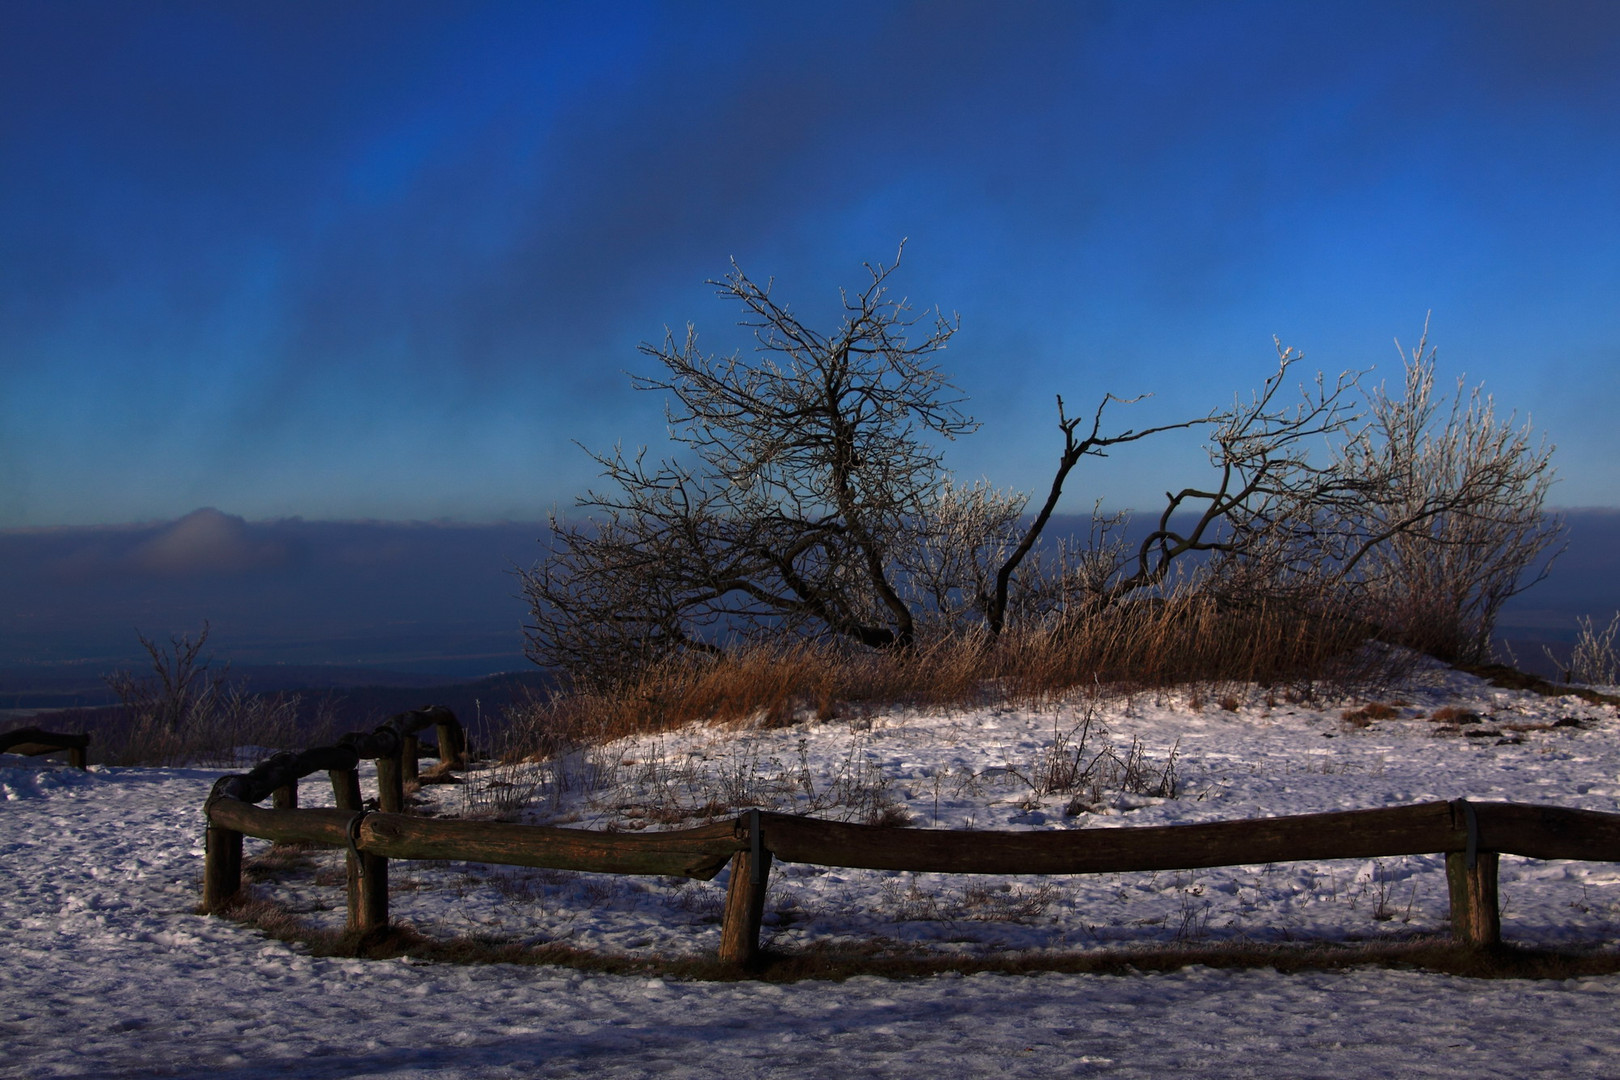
{"x":105,"y":971}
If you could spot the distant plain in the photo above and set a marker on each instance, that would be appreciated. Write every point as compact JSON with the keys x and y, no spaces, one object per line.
{"x":304,"y":604}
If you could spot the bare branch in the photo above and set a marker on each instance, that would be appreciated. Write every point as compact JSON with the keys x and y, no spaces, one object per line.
{"x":806,"y":473}
{"x":1094,"y":444}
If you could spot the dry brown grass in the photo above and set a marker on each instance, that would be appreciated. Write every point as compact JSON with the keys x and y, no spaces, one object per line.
{"x":1180,"y":641}
{"x":1367,"y":714}
{"x":1454,"y":714}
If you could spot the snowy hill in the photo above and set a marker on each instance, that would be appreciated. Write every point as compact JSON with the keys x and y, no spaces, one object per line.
{"x":105,"y":970}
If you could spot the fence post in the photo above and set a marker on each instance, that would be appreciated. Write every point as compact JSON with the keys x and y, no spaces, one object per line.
{"x":368,"y":903}
{"x":390,"y":785}
{"x":367,"y":883}
{"x":361,"y":902}
{"x":345,"y":788}
{"x":285,"y":797}
{"x":408,"y":766}
{"x":222,"y":867}
{"x":745,"y":897}
{"x":452,"y":745}
{"x":1475,"y":918}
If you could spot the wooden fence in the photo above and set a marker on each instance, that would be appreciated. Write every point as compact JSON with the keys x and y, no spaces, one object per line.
{"x":1471,"y":835}
{"x":33,"y":742}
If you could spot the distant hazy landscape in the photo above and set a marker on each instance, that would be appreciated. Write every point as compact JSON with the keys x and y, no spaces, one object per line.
{"x":310,"y":604}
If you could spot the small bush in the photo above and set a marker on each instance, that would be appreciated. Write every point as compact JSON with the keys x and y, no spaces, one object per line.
{"x":183,"y":712}
{"x":1453,"y":714}
{"x":1364,"y":716}
{"x":1593,"y":660}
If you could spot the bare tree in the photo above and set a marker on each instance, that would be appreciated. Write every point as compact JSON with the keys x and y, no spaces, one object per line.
{"x":1419,"y":522}
{"x":812,"y":498}
{"x":813,"y":469}
{"x":1459,"y":525}
{"x":186,"y":710}
{"x":180,"y":684}
{"x":1272,"y":521}
{"x":1265,"y":499}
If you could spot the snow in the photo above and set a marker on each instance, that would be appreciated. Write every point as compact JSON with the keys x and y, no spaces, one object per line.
{"x":106,"y":971}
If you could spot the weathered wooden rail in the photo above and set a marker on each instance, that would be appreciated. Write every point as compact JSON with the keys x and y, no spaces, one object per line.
{"x":34,"y":741}
{"x":394,"y":747}
{"x":1471,"y":836}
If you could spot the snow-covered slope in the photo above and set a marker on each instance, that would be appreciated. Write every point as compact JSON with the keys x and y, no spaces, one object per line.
{"x":105,"y":971}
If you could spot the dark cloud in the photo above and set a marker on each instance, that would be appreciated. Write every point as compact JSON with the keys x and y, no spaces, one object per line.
{"x":1564,"y":52}
{"x":648,"y":188}
{"x":296,"y":227}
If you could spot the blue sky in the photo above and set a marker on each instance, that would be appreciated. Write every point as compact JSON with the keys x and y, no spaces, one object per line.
{"x":390,"y":261}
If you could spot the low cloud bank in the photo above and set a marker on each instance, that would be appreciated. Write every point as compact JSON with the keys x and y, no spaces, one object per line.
{"x":430,"y":598}
{"x":416,"y":597}
{"x":207,"y":542}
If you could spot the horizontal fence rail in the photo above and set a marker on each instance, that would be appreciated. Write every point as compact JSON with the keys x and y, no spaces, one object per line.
{"x":1420,"y":829}
{"x":695,"y":853}
{"x":1470,"y":835}
{"x":32,"y":742}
